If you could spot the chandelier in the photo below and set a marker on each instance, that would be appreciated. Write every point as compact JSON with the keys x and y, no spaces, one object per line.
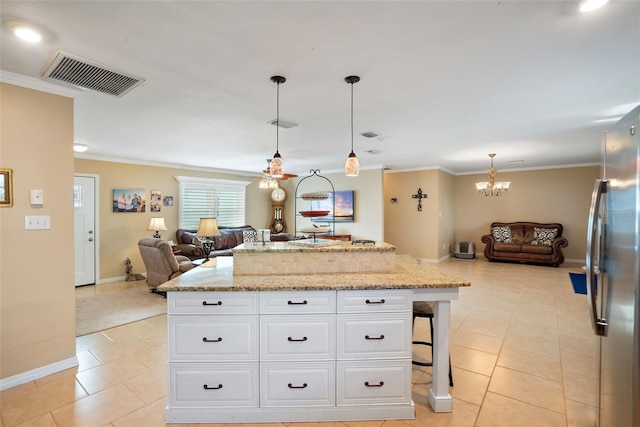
{"x":492,"y":188}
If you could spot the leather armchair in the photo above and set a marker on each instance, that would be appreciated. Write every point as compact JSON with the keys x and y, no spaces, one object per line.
{"x":160,"y":262}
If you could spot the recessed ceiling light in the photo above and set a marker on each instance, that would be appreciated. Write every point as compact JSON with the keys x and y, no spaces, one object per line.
{"x":589,"y":5}
{"x":24,"y":31}
{"x":80,"y":148}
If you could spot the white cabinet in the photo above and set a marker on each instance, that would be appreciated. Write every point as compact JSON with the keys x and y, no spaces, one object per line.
{"x":240,"y":357}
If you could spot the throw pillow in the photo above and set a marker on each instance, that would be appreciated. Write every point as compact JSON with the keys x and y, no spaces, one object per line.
{"x":543,"y":236}
{"x":502,"y":234}
{"x":250,"y":236}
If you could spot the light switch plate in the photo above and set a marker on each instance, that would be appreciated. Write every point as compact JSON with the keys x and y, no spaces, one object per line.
{"x":37,"y":197}
{"x":37,"y":222}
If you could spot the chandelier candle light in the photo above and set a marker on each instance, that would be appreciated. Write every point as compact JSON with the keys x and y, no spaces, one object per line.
{"x":492,"y":188}
{"x":276,"y":166}
{"x":157,"y":225}
{"x":352,"y":166}
{"x":208,"y":228}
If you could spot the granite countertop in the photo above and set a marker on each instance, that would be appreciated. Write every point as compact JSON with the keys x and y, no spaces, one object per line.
{"x":408,"y":273}
{"x":307,"y":246}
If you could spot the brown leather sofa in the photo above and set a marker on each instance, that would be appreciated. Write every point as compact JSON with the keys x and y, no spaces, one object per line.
{"x":229,"y":238}
{"x":527,"y":242}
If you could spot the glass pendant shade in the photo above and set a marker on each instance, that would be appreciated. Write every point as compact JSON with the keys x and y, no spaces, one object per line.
{"x":352,"y":166}
{"x":276,"y":168}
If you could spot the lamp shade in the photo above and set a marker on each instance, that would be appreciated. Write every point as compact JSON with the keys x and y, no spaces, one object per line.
{"x":156,"y":224}
{"x":208,"y":227}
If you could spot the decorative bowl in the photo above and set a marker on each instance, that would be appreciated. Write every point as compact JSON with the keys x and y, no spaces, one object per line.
{"x":320,"y":230}
{"x":314,"y":196}
{"x":313,"y":214}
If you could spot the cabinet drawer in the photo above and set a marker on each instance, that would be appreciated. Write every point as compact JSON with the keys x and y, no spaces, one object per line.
{"x":375,"y":301}
{"x":298,"y":302}
{"x":231,"y":338}
{"x":297,"y":384}
{"x":305,"y":337}
{"x":385,"y":335}
{"x":212,"y":303}
{"x":374,"y":383}
{"x":212,"y":385}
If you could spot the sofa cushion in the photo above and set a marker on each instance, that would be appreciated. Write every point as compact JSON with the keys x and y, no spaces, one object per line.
{"x":502,"y":234}
{"x":508,"y":247}
{"x":537,"y":249}
{"x":225,"y":240}
{"x":543,"y":236}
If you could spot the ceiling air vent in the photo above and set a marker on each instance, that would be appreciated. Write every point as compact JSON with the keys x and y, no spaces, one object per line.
{"x":369,"y":134}
{"x":282,"y":124}
{"x":88,"y":75}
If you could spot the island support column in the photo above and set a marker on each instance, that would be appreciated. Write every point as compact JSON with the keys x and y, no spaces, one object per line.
{"x":439,"y":397}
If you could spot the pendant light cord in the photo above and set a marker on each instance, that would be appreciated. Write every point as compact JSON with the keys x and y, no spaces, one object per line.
{"x":277,"y":115}
{"x":352,"y":117}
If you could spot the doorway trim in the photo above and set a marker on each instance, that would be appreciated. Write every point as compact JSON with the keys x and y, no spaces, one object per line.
{"x":96,"y":213}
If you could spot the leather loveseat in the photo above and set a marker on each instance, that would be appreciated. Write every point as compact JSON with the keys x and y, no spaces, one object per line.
{"x":528,"y":242}
{"x":229,"y":238}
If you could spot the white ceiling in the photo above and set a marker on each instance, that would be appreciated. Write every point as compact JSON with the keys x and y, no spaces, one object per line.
{"x":443,"y":83}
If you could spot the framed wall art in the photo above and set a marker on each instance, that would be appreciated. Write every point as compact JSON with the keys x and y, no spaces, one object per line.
{"x":6,"y":187}
{"x":129,"y":200}
{"x":156,"y":200}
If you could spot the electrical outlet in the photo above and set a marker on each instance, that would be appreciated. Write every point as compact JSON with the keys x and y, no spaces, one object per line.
{"x":37,"y":222}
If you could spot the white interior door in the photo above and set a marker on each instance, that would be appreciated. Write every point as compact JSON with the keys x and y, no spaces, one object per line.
{"x":84,"y":204}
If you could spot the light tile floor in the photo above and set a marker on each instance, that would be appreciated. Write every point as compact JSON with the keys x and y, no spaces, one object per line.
{"x":522,"y":351}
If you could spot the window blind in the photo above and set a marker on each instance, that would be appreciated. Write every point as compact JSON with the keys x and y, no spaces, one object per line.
{"x":211,"y":198}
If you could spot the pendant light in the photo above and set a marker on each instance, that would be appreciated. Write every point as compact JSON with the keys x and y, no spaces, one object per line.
{"x":276,"y":168}
{"x":352,"y":166}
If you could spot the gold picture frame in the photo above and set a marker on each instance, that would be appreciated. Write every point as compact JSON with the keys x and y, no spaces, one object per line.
{"x":6,"y":187}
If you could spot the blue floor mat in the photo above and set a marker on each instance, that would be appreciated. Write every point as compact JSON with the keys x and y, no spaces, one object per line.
{"x":579,"y":282}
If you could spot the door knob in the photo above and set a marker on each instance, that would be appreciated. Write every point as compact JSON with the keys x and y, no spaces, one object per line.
{"x":90,"y":231}
{"x":91,"y":239}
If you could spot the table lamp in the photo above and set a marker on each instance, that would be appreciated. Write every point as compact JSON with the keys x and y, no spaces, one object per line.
{"x":156,"y":224}
{"x":208,"y":227}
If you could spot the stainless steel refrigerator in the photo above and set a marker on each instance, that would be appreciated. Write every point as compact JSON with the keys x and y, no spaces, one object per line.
{"x":613,"y":274}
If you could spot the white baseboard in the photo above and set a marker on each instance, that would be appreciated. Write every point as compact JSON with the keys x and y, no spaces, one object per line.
{"x":38,"y":373}
{"x":116,"y":279}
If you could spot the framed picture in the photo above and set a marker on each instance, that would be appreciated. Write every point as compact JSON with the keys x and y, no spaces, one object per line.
{"x":345,"y":207}
{"x":6,"y":187}
{"x":168,"y":201}
{"x":156,"y":200}
{"x":129,"y":200}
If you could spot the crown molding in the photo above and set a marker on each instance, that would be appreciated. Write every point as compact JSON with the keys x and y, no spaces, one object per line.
{"x":38,"y":84}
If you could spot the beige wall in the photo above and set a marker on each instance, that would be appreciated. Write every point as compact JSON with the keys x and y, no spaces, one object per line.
{"x":426,"y":233}
{"x":369,"y":214}
{"x":37,"y":304}
{"x":549,"y":195}
{"x":119,"y":233}
{"x":455,"y":211}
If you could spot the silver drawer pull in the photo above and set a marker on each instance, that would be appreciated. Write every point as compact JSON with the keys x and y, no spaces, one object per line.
{"x":367,"y":337}
{"x":375,"y":302}
{"x":297,"y":339}
{"x":297,"y":303}
{"x":211,"y":303}
{"x":297,"y":386}
{"x":206,"y":387}
{"x":380,"y":384}
{"x":205,"y":339}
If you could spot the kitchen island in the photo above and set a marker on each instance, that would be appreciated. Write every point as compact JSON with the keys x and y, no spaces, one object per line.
{"x":256,"y":348}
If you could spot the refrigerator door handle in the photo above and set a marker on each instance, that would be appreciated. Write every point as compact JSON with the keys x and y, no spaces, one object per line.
{"x":593,"y":265}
